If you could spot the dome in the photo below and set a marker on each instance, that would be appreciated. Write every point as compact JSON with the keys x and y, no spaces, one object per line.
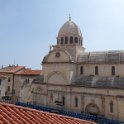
{"x":69,"y":34}
{"x":69,"y":28}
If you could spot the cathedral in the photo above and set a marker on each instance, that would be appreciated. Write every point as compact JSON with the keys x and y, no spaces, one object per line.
{"x":79,"y":81}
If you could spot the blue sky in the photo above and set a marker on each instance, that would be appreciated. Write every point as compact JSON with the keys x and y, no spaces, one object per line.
{"x":28,"y":27}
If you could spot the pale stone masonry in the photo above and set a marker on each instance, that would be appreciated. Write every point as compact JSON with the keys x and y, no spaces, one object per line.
{"x":91,"y":82}
{"x":12,"y":79}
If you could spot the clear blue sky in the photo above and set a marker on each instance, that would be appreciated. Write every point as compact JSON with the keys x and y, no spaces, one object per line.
{"x":28,"y":27}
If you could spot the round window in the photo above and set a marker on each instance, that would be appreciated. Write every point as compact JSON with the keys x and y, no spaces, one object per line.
{"x":58,"y":54}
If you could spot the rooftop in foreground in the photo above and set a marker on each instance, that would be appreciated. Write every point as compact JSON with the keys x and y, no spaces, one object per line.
{"x":12,"y":114}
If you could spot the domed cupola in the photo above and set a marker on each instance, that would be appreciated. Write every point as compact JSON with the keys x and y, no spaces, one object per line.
{"x":69,"y":34}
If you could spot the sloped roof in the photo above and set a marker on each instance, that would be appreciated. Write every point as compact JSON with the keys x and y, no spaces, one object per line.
{"x":113,"y":56}
{"x":28,"y":72}
{"x":2,"y":76}
{"x":11,"y":69}
{"x":99,"y":81}
{"x":19,"y":70}
{"x":12,"y":114}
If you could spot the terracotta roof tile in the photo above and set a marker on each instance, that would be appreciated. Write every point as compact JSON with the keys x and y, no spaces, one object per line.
{"x":18,"y":70}
{"x":11,"y":69}
{"x":2,"y":75}
{"x":12,"y":114}
{"x":29,"y":72}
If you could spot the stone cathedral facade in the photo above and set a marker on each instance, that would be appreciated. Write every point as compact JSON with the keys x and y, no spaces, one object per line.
{"x":79,"y":81}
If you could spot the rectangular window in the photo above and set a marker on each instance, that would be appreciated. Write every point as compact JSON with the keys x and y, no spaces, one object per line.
{"x":63,"y":100}
{"x":96,"y":70}
{"x":76,"y":102}
{"x":0,"y":81}
{"x":66,"y":40}
{"x":8,"y":88}
{"x":8,"y":79}
{"x":62,"y":40}
{"x":81,"y":70}
{"x":111,"y":107}
{"x":113,"y":70}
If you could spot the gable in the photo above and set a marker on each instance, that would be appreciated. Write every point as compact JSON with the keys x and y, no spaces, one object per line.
{"x":58,"y":56}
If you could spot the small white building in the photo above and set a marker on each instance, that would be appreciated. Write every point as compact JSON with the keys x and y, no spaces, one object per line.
{"x":12,"y":79}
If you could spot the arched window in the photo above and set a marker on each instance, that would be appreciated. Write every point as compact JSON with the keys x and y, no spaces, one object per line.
{"x":76,"y":40}
{"x":62,"y":39}
{"x":63,"y":100}
{"x":81,"y":70}
{"x":66,"y":40}
{"x":96,"y":70}
{"x":113,"y":70}
{"x":71,"y":40}
{"x":76,"y":102}
{"x":111,"y":106}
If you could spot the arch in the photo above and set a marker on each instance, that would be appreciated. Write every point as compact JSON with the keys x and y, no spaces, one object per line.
{"x":57,"y":77}
{"x":71,"y":40}
{"x":92,"y":108}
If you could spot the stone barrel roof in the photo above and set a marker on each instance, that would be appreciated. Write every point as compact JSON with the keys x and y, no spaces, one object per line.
{"x":99,"y":81}
{"x":102,"y":57}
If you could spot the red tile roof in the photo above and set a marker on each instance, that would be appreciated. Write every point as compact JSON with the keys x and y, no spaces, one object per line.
{"x":19,"y":70}
{"x":12,"y":114}
{"x":2,"y":76}
{"x":11,"y":69}
{"x":28,"y":72}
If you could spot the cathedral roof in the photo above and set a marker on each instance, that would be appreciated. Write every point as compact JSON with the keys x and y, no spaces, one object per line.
{"x":70,"y":28}
{"x":100,"y":82}
{"x":102,"y":57}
